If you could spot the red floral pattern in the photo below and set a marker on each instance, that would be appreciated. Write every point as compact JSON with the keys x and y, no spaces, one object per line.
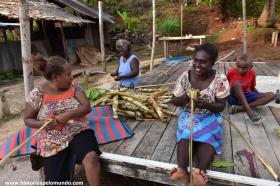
{"x":50,"y":142}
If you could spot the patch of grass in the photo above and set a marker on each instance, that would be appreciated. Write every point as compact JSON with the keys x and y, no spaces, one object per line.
{"x":10,"y":76}
{"x":251,"y":29}
{"x":215,"y":36}
{"x":11,"y":116}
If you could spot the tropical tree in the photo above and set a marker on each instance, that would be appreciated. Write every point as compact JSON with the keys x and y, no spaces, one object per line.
{"x":267,"y":17}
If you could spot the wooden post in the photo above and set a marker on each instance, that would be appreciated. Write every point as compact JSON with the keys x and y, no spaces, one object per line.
{"x":101,"y":37}
{"x":5,"y":35}
{"x":182,"y":13}
{"x":244,"y":26}
{"x":165,"y":48}
{"x":63,"y":41}
{"x":272,"y":38}
{"x":45,"y":35}
{"x":276,"y":33}
{"x":154,"y":36}
{"x":5,"y":106}
{"x":25,"y":46}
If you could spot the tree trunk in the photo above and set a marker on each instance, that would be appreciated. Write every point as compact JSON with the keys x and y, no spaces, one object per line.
{"x":25,"y":46}
{"x":267,"y":18}
{"x":102,"y":47}
{"x":154,"y":36}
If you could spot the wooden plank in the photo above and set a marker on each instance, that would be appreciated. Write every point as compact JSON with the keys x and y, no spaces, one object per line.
{"x":111,"y":147}
{"x":226,"y":146}
{"x":167,"y":143}
{"x":265,"y":70}
{"x":241,"y":164}
{"x":276,"y":113}
{"x":183,"y":38}
{"x":145,"y":149}
{"x":129,"y":145}
{"x":161,"y":78}
{"x":183,"y":68}
{"x":148,"y":170}
{"x":174,"y":155}
{"x":259,"y":140}
{"x":154,"y":74}
{"x":227,"y":66}
{"x":164,"y":77}
{"x":272,"y":67}
{"x":258,"y":69}
{"x":270,"y":123}
{"x":146,"y":77}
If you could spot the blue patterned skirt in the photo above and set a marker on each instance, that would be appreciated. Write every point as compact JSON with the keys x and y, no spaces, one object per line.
{"x":207,"y":128}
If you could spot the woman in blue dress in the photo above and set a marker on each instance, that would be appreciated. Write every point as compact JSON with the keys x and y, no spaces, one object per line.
{"x":127,"y":73}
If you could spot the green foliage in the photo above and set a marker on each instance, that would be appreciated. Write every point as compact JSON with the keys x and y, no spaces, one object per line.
{"x":130,"y":23}
{"x":91,"y":2}
{"x":222,"y":164}
{"x":124,"y":16}
{"x":117,"y":28}
{"x":169,"y":27}
{"x":35,"y":26}
{"x":94,"y":93}
{"x":11,"y":75}
{"x":215,"y":36}
{"x":210,"y":2}
{"x":277,"y":131}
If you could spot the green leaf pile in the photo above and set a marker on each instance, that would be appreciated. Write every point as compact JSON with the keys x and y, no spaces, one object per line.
{"x":94,"y":93}
{"x":277,"y":131}
{"x":222,"y":164}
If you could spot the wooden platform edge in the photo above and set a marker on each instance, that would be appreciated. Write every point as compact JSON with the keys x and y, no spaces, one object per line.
{"x":156,"y":171}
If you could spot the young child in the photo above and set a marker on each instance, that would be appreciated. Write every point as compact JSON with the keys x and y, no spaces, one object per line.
{"x":244,"y":95}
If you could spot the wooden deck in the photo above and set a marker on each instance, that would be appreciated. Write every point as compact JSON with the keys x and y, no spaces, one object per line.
{"x":154,"y":140}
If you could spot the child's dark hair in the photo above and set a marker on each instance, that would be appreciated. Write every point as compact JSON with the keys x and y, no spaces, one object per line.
{"x":245,"y":57}
{"x":49,"y":66}
{"x":210,"y":49}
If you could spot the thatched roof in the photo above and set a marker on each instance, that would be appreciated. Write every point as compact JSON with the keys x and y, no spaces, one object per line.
{"x":39,"y":10}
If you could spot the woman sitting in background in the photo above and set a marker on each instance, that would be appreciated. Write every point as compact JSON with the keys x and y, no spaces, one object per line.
{"x":127,"y":72}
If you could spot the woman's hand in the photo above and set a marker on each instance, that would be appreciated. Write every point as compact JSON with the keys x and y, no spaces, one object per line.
{"x":201,"y":103}
{"x":50,"y":126}
{"x":62,"y":118}
{"x":117,"y":78}
{"x":113,"y":74}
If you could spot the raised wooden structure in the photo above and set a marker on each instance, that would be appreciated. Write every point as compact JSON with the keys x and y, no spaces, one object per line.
{"x":154,"y":140}
{"x":187,"y":37}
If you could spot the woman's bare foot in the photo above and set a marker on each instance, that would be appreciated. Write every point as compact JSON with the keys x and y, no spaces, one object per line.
{"x":178,"y":174}
{"x":199,"y":177}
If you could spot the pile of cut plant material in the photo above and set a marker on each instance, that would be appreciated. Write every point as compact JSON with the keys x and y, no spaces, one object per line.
{"x":141,"y":103}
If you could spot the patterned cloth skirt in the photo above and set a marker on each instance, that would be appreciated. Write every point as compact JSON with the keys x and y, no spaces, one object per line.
{"x":207,"y":128}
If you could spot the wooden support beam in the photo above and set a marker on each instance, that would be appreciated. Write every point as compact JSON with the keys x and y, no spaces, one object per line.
{"x":276,"y":33}
{"x":184,"y":38}
{"x":102,"y":47}
{"x":25,"y":46}
{"x":244,"y":26}
{"x":165,"y":48}
{"x":182,"y":14}
{"x":63,"y":41}
{"x":154,"y":36}
{"x":156,"y":171}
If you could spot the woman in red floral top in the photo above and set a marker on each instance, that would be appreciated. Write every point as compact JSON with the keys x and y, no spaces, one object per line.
{"x":70,"y":134}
